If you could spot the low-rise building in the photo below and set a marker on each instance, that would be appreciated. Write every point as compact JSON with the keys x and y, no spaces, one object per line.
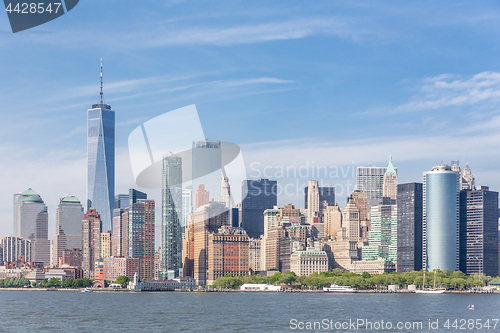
{"x":116,"y":266}
{"x":36,"y":275}
{"x":379,"y":266}
{"x":308,"y":262}
{"x":56,"y":273}
{"x":260,"y":287}
{"x":178,"y":283}
{"x":185,"y":282}
{"x":13,"y":272}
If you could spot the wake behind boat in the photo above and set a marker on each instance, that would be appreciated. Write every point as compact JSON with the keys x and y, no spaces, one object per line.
{"x":338,"y":289}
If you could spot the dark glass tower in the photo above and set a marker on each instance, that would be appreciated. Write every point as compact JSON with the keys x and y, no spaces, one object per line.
{"x":258,"y":195}
{"x":479,"y":231}
{"x":410,"y":208}
{"x":101,"y":160}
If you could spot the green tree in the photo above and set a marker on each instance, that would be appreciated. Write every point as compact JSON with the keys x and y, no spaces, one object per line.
{"x":54,"y":282}
{"x":275,"y":278}
{"x":44,"y":283}
{"x":87,"y":282}
{"x":1,"y":283}
{"x":122,"y":280}
{"x":67,"y":283}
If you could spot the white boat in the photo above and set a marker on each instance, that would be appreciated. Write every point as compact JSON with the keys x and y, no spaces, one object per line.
{"x":86,"y":290}
{"x":430,"y":290}
{"x":338,"y":289}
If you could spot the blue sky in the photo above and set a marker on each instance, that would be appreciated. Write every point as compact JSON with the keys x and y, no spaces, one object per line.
{"x":294,"y":83}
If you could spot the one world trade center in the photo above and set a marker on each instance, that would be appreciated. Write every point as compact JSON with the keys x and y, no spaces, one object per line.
{"x":101,"y":160}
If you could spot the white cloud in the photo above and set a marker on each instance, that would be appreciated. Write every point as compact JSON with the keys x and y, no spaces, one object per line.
{"x":451,"y":91}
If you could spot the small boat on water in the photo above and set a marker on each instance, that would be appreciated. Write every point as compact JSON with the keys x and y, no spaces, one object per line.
{"x":430,"y":290}
{"x":338,"y":289}
{"x":86,"y":290}
{"x":471,"y":307}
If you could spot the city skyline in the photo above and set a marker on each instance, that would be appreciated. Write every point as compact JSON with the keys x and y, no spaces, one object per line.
{"x":435,"y":89}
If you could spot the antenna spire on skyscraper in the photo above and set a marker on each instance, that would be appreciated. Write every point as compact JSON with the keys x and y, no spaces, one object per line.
{"x":101,"y":82}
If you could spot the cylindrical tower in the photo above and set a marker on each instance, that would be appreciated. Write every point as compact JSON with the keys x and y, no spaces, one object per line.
{"x":441,"y":219}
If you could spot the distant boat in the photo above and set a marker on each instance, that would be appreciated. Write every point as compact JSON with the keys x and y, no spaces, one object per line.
{"x":429,"y":290}
{"x":338,"y":289}
{"x":471,"y":307}
{"x":86,"y":290}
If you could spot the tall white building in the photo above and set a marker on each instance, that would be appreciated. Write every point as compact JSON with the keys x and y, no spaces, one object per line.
{"x":313,"y":206}
{"x":225,"y":192}
{"x":187,"y":208}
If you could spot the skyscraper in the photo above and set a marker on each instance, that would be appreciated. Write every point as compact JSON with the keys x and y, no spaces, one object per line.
{"x":141,"y":231}
{"x":410,"y":210}
{"x":69,"y":215}
{"x":207,"y":168}
{"x":171,"y":216}
{"x":478,"y":231}
{"x":371,"y":180}
{"x":101,"y":159}
{"x":326,"y":195}
{"x":207,"y":219}
{"x":201,"y":196}
{"x":187,"y":208}
{"x":382,"y":238}
{"x":350,"y":222}
{"x":91,"y":252}
{"x":258,"y":195}
{"x":466,"y":179}
{"x":225,"y":192}
{"x":119,"y":241}
{"x":312,"y":202}
{"x":122,"y":201}
{"x":31,"y":222}
{"x":390,"y":185}
{"x":12,"y":247}
{"x":441,"y":219}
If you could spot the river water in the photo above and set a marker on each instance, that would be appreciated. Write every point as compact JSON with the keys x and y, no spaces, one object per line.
{"x":68,"y":311}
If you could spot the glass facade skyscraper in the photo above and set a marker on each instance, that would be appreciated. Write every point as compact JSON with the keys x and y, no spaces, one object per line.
{"x":258,"y":195}
{"x":171,"y":232}
{"x":69,"y":216}
{"x":478,"y":231}
{"x":206,"y":168}
{"x":410,"y":202}
{"x":31,"y":221}
{"x":101,"y":161}
{"x":382,"y":238}
{"x":141,"y":232}
{"x":441,"y":219}
{"x":371,"y":180}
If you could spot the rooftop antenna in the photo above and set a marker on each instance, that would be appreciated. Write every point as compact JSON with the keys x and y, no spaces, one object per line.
{"x":101,"y":81}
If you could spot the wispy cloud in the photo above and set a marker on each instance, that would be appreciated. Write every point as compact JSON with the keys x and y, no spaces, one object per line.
{"x":256,"y":33}
{"x":450,"y":90}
